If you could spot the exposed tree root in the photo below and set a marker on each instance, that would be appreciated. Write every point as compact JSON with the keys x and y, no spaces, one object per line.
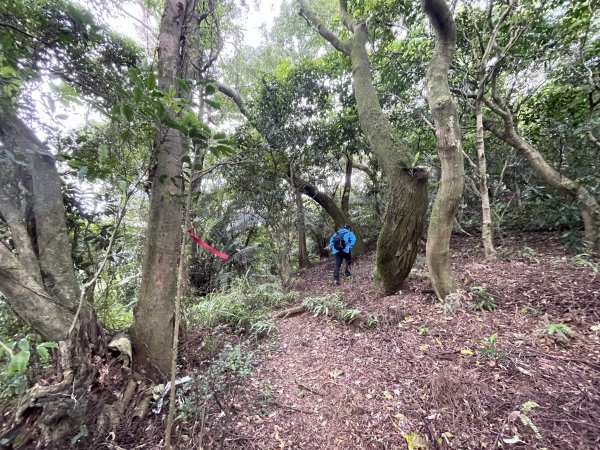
{"x":88,"y":391}
{"x":289,"y":312}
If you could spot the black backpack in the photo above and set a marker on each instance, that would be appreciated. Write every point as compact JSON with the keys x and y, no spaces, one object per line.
{"x":338,"y":241}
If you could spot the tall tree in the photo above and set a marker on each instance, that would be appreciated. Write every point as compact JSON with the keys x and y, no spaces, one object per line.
{"x":407,"y":185}
{"x":153,"y":314}
{"x":449,"y":146}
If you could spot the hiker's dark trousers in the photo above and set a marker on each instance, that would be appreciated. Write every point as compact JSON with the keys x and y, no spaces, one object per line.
{"x":339,"y":257}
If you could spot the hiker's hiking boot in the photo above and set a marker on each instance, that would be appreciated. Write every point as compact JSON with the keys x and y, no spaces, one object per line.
{"x":336,"y":282}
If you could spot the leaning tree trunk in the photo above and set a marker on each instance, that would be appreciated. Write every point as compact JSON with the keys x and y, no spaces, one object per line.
{"x":323,"y":200}
{"x":153,"y":314}
{"x":487,"y":232}
{"x":303,"y":260}
{"x":331,"y":208}
{"x":449,"y":146}
{"x":590,"y":211}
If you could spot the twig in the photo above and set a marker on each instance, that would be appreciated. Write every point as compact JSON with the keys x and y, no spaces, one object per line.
{"x":309,"y":389}
{"x":111,"y":244}
{"x":292,"y":408}
{"x":581,"y":361}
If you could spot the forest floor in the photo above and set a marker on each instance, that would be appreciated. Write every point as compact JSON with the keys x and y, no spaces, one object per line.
{"x":426,"y":373}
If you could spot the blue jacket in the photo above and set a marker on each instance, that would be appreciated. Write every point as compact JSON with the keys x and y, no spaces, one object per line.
{"x":349,"y":240}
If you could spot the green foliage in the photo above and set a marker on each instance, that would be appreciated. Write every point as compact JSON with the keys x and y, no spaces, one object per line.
{"x":348,"y":315}
{"x":529,"y":254}
{"x":559,"y":331}
{"x":331,"y":305}
{"x":482,"y":299}
{"x":15,"y":363}
{"x":526,"y":408}
{"x":488,"y":348}
{"x":372,"y":320}
{"x":245,"y":307}
{"x":211,"y":390}
{"x":585,"y":260}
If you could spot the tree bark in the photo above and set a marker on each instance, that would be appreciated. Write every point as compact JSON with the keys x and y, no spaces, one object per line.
{"x":347,"y":187}
{"x":590,"y":211}
{"x":303,"y":260}
{"x":449,"y":147}
{"x":153,"y":314}
{"x":38,"y":277}
{"x":487,"y":232}
{"x":404,"y":217}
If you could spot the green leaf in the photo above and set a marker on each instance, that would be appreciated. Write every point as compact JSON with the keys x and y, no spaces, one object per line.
{"x":183,"y":85}
{"x":102,"y":153}
{"x":123,"y":186}
{"x":151,"y":82}
{"x":42,"y":350}
{"x":213,"y":104}
{"x":19,"y":362}
{"x":127,"y":112}
{"x":210,"y":89}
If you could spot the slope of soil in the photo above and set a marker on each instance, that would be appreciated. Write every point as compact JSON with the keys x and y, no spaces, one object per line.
{"x":427,"y":370}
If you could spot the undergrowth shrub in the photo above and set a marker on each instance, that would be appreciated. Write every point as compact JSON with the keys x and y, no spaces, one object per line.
{"x":482,"y":299}
{"x":560,"y":332}
{"x":331,"y":306}
{"x":207,"y":397}
{"x":21,"y":361}
{"x":245,"y":308}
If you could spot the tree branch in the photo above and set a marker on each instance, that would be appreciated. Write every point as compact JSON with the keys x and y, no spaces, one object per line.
{"x":236,"y":97}
{"x":315,"y":23}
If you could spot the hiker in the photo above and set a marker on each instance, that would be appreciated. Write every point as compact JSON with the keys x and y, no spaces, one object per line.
{"x":340,"y":243}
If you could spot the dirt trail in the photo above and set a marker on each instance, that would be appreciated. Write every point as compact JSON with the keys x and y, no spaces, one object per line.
{"x":328,"y":385}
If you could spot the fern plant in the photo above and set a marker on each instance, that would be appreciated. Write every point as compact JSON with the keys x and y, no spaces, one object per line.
{"x":559,"y":332}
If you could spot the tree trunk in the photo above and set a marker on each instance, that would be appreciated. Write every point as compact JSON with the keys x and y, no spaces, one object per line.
{"x":347,"y":187}
{"x":449,"y":146}
{"x":487,"y":231}
{"x":303,"y":260}
{"x":153,"y":314}
{"x":404,"y":217}
{"x":590,"y":211}
{"x":407,"y":199}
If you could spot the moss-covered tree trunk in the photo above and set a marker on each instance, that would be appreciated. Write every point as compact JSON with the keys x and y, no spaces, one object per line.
{"x":153,"y":314}
{"x":407,"y":197}
{"x":449,"y":147}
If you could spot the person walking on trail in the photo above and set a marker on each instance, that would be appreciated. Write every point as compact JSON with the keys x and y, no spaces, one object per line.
{"x":341,"y":243}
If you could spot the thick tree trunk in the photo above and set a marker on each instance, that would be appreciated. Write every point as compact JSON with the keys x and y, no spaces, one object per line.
{"x":153,"y":315}
{"x":38,"y":278}
{"x":407,"y":198}
{"x":590,"y":211}
{"x":449,"y":146}
{"x":487,"y":232}
{"x":303,"y":260}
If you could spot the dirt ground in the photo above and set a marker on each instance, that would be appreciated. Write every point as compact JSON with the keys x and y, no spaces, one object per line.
{"x":433,"y":374}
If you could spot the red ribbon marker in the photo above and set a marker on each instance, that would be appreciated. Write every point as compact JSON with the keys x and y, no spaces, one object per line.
{"x":205,"y":246}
